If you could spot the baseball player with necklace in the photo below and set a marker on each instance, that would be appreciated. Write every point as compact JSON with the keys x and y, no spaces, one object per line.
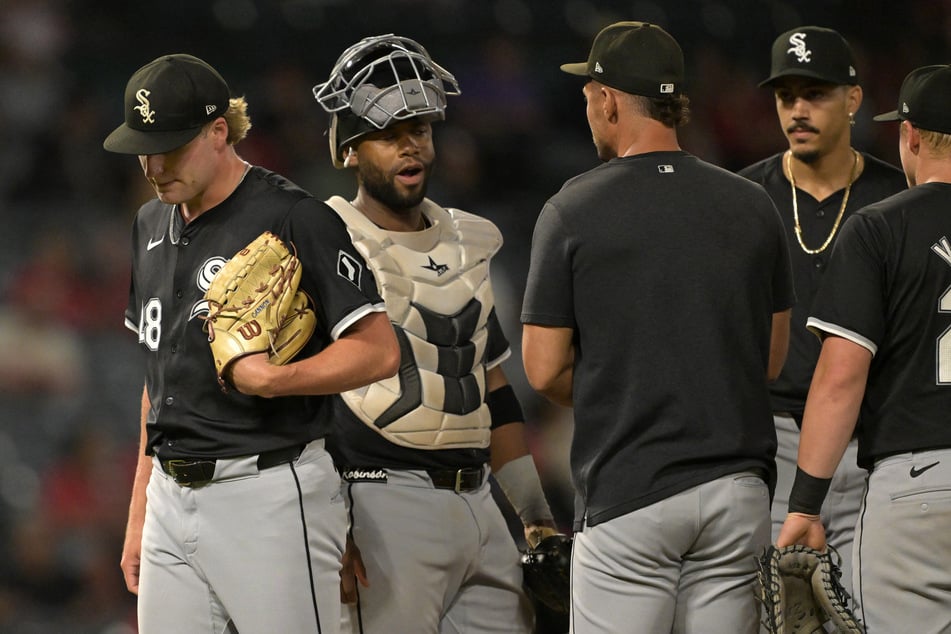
{"x":883,"y":312}
{"x":816,"y":184}
{"x":236,"y":523}
{"x":430,"y":548}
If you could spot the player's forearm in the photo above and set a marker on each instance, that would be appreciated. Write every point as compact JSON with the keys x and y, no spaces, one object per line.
{"x":832,"y":407}
{"x":367,"y":352}
{"x":143,"y":472}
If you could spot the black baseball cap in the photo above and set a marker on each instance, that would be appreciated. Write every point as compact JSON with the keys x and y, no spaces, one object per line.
{"x":167,"y":102}
{"x":815,"y":52}
{"x":637,"y":57}
{"x":923,"y":99}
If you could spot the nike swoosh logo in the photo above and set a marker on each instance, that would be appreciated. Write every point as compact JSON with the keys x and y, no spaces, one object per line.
{"x":915,"y":472}
{"x":154,"y":243}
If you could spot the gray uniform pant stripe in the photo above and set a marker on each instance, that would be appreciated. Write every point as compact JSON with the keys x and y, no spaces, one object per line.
{"x":902,"y":559}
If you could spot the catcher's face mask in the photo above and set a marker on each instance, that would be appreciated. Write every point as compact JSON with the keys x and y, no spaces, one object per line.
{"x":378,"y":81}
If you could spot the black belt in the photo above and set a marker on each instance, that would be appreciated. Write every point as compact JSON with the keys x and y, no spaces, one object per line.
{"x":458,"y":480}
{"x":196,"y":472}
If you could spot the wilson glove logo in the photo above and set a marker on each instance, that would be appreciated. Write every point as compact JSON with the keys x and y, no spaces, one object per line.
{"x":250,"y":330}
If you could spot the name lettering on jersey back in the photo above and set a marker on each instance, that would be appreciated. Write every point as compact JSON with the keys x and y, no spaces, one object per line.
{"x":364,"y":475}
{"x":943,"y":248}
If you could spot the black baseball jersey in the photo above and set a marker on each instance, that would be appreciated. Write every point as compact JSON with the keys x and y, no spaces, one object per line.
{"x":173,"y":264}
{"x":888,"y":288}
{"x":877,"y":181}
{"x":669,"y":270}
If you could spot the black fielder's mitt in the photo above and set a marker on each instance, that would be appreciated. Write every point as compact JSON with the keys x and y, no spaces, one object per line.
{"x":801,"y":593}
{"x":546,"y":570}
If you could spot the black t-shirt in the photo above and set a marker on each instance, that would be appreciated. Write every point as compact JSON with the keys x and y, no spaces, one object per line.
{"x":888,"y":289}
{"x":877,"y":181}
{"x":669,"y":270}
{"x":172,"y":266}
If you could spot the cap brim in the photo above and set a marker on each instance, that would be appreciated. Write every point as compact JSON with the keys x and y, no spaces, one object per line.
{"x":797,"y":73}
{"x":887,"y":116}
{"x":577,"y":68}
{"x":125,"y":140}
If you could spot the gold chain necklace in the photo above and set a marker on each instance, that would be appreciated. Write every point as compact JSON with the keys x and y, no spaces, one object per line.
{"x":838,"y":219}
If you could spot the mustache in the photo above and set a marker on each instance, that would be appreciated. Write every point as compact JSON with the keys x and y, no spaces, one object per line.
{"x":802,"y":127}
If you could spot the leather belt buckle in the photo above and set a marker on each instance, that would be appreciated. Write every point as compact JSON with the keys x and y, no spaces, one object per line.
{"x":190,"y":473}
{"x":459,"y":480}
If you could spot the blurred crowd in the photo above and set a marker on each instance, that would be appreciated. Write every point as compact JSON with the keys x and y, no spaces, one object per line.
{"x":71,"y":373}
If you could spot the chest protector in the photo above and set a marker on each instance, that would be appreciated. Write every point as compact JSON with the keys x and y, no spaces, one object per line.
{"x":435,"y":284}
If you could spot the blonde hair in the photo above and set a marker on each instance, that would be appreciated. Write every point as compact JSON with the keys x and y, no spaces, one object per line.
{"x":939,"y":143}
{"x":238,"y":120}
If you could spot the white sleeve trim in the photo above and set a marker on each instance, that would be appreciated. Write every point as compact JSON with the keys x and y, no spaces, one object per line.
{"x":354,"y":317}
{"x":821,"y":328}
{"x":499,"y":359}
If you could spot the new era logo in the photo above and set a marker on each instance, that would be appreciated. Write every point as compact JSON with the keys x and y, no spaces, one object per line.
{"x":597,"y":67}
{"x":210,"y":108}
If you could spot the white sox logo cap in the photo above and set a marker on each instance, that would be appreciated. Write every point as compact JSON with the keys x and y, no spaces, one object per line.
{"x":636,"y":57}
{"x":167,"y":102}
{"x":815,"y":52}
{"x":923,"y":99}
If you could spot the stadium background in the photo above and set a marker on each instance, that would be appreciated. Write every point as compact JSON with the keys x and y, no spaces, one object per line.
{"x":70,"y":373}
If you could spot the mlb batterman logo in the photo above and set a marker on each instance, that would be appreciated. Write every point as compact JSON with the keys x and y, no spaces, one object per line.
{"x":798,"y":48}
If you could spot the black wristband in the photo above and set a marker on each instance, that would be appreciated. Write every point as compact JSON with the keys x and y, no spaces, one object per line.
{"x":808,"y":493}
{"x":504,"y":406}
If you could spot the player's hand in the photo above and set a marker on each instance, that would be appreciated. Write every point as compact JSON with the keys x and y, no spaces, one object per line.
{"x":539,"y":530}
{"x":352,"y":571}
{"x":800,"y":528}
{"x":131,"y":557}
{"x":252,"y":375}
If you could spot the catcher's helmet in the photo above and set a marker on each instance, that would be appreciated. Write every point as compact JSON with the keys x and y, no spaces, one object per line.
{"x":377,"y":81}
